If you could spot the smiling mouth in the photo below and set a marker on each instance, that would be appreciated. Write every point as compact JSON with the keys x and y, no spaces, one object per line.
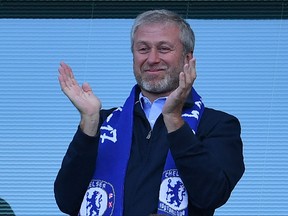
{"x":154,"y":70}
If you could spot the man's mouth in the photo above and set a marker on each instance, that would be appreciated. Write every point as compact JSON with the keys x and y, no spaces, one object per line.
{"x":154,"y":69}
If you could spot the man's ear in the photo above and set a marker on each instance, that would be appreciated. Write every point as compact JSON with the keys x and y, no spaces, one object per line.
{"x":189,"y":56}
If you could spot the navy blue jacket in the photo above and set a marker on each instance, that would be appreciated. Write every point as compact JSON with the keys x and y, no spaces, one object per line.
{"x":210,"y":164}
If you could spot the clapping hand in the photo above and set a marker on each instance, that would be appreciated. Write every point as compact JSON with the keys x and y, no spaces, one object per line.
{"x":82,"y":98}
{"x":172,"y":110}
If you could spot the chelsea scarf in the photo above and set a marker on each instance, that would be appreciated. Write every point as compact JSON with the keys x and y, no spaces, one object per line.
{"x":105,"y":192}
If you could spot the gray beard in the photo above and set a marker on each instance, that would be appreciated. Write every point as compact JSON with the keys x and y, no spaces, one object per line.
{"x":168,"y":84}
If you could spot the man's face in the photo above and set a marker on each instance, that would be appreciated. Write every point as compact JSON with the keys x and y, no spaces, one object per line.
{"x":158,"y":58}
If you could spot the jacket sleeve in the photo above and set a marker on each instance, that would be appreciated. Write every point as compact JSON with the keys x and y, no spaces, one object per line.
{"x":210,"y":163}
{"x":76,"y":172}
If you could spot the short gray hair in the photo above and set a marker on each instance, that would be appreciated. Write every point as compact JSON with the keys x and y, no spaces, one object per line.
{"x":186,"y":36}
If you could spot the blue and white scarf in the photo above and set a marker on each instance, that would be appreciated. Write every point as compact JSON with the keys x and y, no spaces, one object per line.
{"x":105,"y":192}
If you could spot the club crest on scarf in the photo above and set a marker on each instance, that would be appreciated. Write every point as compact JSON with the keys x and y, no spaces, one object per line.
{"x":98,"y":200}
{"x":173,"y":198}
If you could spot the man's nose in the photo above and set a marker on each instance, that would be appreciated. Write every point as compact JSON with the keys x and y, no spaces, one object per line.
{"x":153,"y":56}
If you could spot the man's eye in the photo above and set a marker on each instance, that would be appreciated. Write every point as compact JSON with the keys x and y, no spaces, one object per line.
{"x":164,"y":49}
{"x":143,"y":50}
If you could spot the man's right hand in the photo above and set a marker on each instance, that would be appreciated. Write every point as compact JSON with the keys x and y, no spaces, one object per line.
{"x":82,"y":98}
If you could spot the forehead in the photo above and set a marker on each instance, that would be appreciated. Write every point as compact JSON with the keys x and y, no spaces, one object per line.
{"x":155,"y":32}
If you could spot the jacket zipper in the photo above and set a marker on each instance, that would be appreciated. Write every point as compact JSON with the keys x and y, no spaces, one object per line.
{"x":149,"y":134}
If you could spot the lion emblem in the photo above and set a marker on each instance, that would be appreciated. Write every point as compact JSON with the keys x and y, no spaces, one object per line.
{"x":175,"y":194}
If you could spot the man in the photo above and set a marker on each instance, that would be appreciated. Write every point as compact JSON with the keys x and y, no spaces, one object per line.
{"x":162,"y":152}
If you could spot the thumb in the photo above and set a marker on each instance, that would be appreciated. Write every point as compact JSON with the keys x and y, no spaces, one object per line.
{"x":86,"y":87}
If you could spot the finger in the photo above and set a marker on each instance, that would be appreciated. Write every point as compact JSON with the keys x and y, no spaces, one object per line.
{"x":180,"y":91}
{"x":64,"y":84}
{"x":184,"y":77}
{"x":190,"y":72}
{"x":192,"y":65}
{"x":65,"y":70}
{"x":67,"y":75}
{"x":69,"y":71}
{"x":62,"y":76}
